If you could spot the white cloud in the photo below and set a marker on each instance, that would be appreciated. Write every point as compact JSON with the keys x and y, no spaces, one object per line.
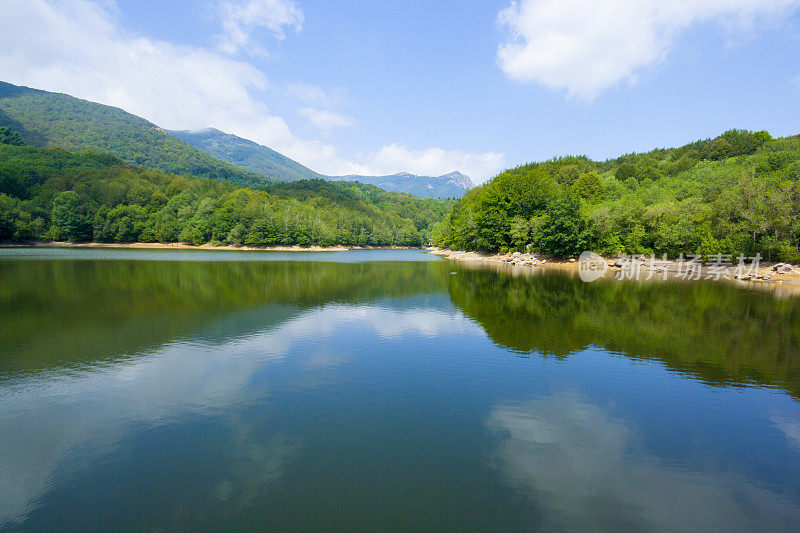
{"x":173,"y":86}
{"x":325,"y":120}
{"x":47,"y":46}
{"x":240,"y":19}
{"x":587,"y":46}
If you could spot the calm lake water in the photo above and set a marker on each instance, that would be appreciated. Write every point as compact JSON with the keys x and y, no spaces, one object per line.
{"x":374,"y":390}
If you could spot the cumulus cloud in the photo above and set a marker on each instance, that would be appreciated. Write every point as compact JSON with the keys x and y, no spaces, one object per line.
{"x":177,"y":87}
{"x":240,"y":19}
{"x":324,"y":119}
{"x":587,"y":46}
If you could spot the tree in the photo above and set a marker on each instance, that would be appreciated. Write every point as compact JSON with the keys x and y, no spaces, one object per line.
{"x":589,"y":186}
{"x":719,"y":149}
{"x":191,"y":234}
{"x":520,"y":232}
{"x":9,"y":213}
{"x":564,"y":231}
{"x":69,"y":218}
{"x":9,"y":136}
{"x":237,"y":234}
{"x":744,"y":142}
{"x":101,"y":230}
{"x":647,"y":168}
{"x":625,"y":171}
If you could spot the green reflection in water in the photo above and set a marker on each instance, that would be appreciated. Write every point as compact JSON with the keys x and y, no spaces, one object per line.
{"x":76,"y":312}
{"x":719,"y":332}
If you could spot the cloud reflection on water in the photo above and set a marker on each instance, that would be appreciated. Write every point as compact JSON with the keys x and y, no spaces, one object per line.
{"x":96,"y":408}
{"x":585,"y":471}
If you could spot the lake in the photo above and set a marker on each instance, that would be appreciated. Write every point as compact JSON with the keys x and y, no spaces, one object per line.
{"x":387,"y":390}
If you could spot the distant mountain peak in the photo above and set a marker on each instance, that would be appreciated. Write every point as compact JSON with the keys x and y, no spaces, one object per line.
{"x":254,"y":157}
{"x":452,"y":185}
{"x":460,"y":179}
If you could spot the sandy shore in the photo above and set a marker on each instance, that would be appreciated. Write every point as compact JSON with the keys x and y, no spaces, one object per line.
{"x":785,"y":281}
{"x":180,"y":246}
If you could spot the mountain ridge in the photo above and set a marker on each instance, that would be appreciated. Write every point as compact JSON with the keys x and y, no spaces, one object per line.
{"x":246,"y":154}
{"x":255,"y":157}
{"x":451,"y":185}
{"x":57,"y":120}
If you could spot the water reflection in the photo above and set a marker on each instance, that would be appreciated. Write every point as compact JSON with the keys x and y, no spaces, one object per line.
{"x":248,"y":394}
{"x":789,"y":426}
{"x":724,"y":335}
{"x":587,"y":471}
{"x":51,"y":416}
{"x":102,"y":309}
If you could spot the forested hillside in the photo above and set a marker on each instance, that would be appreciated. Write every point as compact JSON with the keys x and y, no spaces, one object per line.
{"x":246,"y":154}
{"x":50,"y":120}
{"x":53,"y":194}
{"x":736,"y":194}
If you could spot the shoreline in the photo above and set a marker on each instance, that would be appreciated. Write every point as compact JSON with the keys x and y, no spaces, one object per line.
{"x":205,"y":247}
{"x":766,"y":276}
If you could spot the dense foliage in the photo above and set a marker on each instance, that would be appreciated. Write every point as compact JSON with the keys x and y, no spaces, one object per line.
{"x":736,"y":194}
{"x":51,"y":120}
{"x":9,"y":136}
{"x":53,"y":194}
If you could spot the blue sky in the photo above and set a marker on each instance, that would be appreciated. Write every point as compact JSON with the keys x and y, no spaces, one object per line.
{"x":428,"y":87}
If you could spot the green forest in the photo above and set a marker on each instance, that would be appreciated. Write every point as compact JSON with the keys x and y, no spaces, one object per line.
{"x":738,"y":193}
{"x":54,"y":194}
{"x":51,"y":120}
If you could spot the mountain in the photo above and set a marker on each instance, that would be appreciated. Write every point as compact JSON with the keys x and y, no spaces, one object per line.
{"x":53,"y":120}
{"x":453,"y":185}
{"x":254,"y":157}
{"x":246,"y":154}
{"x":50,"y":120}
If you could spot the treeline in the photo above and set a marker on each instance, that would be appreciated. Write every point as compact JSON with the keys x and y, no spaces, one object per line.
{"x":735,"y":194}
{"x":53,"y":194}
